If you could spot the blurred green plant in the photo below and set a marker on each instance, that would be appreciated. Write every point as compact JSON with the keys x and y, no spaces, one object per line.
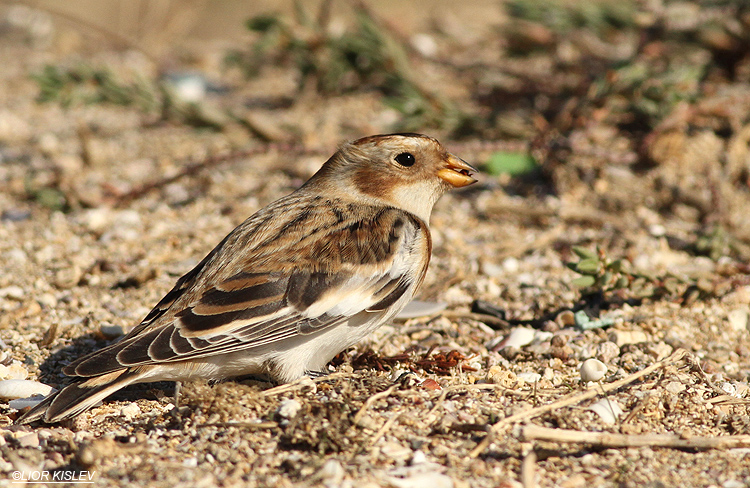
{"x":364,"y":57}
{"x":600,"y":274}
{"x":89,"y":85}
{"x":563,"y":16}
{"x":512,"y":163}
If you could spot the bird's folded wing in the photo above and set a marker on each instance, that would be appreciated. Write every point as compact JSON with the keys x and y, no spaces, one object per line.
{"x":254,"y":309}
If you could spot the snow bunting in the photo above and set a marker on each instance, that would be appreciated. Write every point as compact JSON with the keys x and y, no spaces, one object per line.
{"x":295,"y":284}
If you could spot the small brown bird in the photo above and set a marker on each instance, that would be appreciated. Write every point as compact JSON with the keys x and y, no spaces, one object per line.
{"x":295,"y":284}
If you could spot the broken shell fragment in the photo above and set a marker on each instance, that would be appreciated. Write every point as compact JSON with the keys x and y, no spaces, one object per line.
{"x":14,"y":389}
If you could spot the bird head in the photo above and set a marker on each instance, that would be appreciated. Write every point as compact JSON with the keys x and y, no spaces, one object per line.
{"x":407,"y":171}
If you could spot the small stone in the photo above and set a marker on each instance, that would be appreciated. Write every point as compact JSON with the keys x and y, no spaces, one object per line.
{"x":622,"y":337}
{"x":288,"y":408}
{"x":529,"y":377}
{"x":430,"y":479}
{"x":430,"y":384}
{"x":130,"y":410}
{"x":419,"y":457}
{"x":110,"y":332}
{"x":332,"y":472}
{"x":738,"y":319}
{"x":593,"y":370}
{"x":675,"y":387}
{"x":500,"y":376}
{"x":14,"y":292}
{"x":492,"y":269}
{"x":395,"y":451}
{"x":69,"y":277}
{"x":607,"y":351}
{"x":29,"y":440}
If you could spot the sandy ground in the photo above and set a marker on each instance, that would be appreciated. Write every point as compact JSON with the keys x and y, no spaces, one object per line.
{"x":103,"y":209}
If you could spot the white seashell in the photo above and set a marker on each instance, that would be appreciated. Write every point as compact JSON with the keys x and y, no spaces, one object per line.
{"x":607,"y":410}
{"x":418,"y":308}
{"x":13,"y":389}
{"x":593,"y":370}
{"x":519,"y":337}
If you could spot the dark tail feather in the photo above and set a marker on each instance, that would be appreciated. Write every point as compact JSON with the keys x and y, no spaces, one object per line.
{"x":37,"y":411}
{"x":80,"y":396}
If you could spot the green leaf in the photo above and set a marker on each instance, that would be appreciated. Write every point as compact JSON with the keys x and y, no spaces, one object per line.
{"x":585,"y":253}
{"x":512,"y":163}
{"x":588,"y":266}
{"x":262,"y":23}
{"x":584,"y":281}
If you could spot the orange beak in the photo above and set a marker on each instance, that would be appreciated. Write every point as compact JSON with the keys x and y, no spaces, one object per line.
{"x":457,"y":172}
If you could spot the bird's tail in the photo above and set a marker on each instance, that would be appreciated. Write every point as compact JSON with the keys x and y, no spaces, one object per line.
{"x":78,"y":397}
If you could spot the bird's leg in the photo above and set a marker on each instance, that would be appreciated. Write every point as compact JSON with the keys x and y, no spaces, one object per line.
{"x":177,"y":391}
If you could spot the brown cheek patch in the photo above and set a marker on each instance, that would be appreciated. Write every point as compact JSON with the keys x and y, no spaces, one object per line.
{"x":371,"y":184}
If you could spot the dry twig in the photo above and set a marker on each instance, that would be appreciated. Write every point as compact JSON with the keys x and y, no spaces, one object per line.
{"x":607,"y":439}
{"x":386,"y":427}
{"x":383,"y":394}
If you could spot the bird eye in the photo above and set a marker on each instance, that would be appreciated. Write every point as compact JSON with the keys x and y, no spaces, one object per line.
{"x":405,"y":159}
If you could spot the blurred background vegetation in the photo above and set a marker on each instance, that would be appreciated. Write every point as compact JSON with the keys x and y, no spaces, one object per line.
{"x":626,"y":104}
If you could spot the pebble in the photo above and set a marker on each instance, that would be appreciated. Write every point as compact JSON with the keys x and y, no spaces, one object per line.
{"x":332,"y":472}
{"x":675,"y":387}
{"x":622,"y":337}
{"x":738,"y":319}
{"x":501,"y":376}
{"x":29,"y":440}
{"x":395,"y":451}
{"x":422,"y":480}
{"x":607,"y":410}
{"x":430,"y":384}
{"x":529,"y":377}
{"x":607,"y":351}
{"x":130,"y":410}
{"x":13,"y":389}
{"x":14,"y":292}
{"x":493,"y":270}
{"x":289,"y":408}
{"x":593,"y":370}
{"x":111,"y":331}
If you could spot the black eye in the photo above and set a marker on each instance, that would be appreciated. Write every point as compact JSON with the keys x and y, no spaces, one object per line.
{"x":405,"y":159}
